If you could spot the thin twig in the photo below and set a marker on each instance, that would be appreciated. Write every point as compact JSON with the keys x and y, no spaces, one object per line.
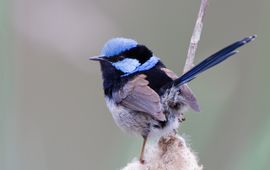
{"x":195,"y":37}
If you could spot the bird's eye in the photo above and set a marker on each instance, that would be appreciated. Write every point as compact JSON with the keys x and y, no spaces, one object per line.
{"x":116,"y":58}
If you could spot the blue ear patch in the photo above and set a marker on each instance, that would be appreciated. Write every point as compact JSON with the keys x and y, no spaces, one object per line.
{"x":117,"y":45}
{"x":127,"y":65}
{"x":142,"y":67}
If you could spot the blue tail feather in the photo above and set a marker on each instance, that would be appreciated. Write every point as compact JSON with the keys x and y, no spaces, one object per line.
{"x":211,"y":61}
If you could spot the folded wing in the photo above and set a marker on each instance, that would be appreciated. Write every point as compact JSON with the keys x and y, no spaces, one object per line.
{"x":138,"y":96}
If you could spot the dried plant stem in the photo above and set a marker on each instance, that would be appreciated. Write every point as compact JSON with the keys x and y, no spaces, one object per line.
{"x":195,"y":38}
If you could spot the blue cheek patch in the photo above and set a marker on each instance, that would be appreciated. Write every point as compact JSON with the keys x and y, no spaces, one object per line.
{"x":117,"y":45}
{"x":145,"y":66}
{"x":127,"y":65}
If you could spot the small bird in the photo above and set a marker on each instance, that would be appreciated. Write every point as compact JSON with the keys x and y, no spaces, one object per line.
{"x":144,"y":97}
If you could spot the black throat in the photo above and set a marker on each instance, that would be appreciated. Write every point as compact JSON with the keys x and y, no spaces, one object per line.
{"x":111,"y":77}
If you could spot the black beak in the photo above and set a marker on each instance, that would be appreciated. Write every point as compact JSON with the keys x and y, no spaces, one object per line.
{"x":98,"y":58}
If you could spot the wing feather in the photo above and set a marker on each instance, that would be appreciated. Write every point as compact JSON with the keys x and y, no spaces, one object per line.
{"x":137,"y":95}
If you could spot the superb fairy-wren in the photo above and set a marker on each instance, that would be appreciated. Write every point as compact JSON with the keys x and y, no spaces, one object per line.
{"x":144,"y":96}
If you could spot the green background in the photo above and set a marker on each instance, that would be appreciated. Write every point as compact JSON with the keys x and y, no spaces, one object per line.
{"x":52,"y":112}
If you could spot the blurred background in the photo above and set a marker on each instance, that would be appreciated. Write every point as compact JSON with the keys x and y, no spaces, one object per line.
{"x":52,"y":111}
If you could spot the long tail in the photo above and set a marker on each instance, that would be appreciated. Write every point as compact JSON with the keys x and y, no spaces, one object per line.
{"x":211,"y":61}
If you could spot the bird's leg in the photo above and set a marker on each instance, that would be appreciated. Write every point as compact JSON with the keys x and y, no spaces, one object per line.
{"x":142,"y":151}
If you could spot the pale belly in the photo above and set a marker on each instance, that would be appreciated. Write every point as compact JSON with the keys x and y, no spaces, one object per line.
{"x":139,"y":123}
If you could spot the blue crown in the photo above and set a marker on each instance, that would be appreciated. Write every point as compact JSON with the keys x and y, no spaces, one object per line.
{"x":117,"y":45}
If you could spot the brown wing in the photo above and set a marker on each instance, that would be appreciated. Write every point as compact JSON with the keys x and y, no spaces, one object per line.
{"x":138,"y":96}
{"x":169,"y":73}
{"x":186,"y":91}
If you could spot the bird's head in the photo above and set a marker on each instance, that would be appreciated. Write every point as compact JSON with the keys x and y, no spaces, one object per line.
{"x":126,"y":56}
